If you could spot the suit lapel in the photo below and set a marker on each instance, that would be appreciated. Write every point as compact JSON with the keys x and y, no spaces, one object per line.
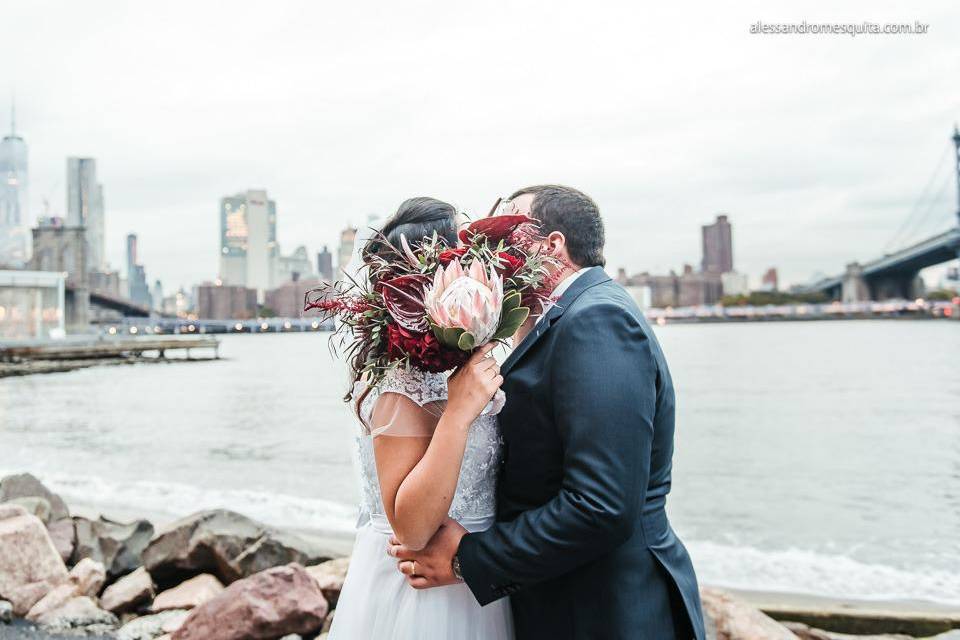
{"x":590,"y":278}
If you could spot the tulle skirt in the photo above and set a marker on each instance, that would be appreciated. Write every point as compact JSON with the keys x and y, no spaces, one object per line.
{"x":377,"y":603}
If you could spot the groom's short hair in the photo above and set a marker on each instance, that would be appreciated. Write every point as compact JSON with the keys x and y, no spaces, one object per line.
{"x":572,"y":213}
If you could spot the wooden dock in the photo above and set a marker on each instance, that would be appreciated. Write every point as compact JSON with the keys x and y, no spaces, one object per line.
{"x":18,"y":359}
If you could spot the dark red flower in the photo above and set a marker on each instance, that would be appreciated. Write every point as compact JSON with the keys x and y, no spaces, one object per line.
{"x":495,"y":228}
{"x":449,"y":255}
{"x":403,"y":298}
{"x":509,"y":264}
{"x":423,"y":350}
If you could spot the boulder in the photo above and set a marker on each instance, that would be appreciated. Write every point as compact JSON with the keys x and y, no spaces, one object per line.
{"x":734,"y":619}
{"x":85,"y":579}
{"x":79,"y":612}
{"x":269,"y":604}
{"x":330,"y":576}
{"x":6,"y":612}
{"x":29,"y":563}
{"x":187,"y":595}
{"x":174,"y":622}
{"x":36,"y":505}
{"x":148,"y":627}
{"x":115,"y":544}
{"x":64,"y":537}
{"x":805,"y":632}
{"x":128,"y":592}
{"x":53,"y":600}
{"x":24,"y":485}
{"x":8,"y":510}
{"x":226,"y":544}
{"x":88,"y":576}
{"x":328,"y":623}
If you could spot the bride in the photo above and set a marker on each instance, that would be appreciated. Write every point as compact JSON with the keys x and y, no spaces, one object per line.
{"x":429,"y":451}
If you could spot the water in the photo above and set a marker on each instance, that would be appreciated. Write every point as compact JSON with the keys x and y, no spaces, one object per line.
{"x":819,"y":457}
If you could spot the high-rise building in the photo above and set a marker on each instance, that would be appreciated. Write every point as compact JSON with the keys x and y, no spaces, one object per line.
{"x":770,"y":280}
{"x":295,"y":266}
{"x":156,"y":295}
{"x":248,"y":240}
{"x":15,"y":238}
{"x":225,"y":302}
{"x":348,"y":238}
{"x":718,"y":246}
{"x":131,"y":253}
{"x":325,"y":264}
{"x":85,"y":207}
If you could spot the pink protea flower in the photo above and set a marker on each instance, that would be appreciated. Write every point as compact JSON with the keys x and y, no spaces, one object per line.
{"x":464,"y":306}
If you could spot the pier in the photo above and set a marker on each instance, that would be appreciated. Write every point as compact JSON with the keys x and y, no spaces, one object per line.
{"x":25,"y":358}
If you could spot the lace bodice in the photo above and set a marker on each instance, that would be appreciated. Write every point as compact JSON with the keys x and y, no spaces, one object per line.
{"x":476,"y":489}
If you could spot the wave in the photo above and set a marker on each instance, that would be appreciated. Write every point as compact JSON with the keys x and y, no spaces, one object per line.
{"x":143,"y":498}
{"x":808,"y":572}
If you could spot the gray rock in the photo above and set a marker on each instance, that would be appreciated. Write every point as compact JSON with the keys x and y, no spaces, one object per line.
{"x":36,"y":505}
{"x":292,"y":636}
{"x":29,"y":564}
{"x":25,"y":485}
{"x":226,"y":544}
{"x":148,"y":627}
{"x":79,"y":612}
{"x":128,"y":592}
{"x":64,"y":537}
{"x":733,"y":618}
{"x":117,"y":545}
{"x":6,"y":612}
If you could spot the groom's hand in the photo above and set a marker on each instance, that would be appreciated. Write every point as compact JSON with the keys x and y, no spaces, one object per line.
{"x":432,"y":566}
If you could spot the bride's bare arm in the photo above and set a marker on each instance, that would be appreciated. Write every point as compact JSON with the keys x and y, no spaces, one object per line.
{"x":418,"y":474}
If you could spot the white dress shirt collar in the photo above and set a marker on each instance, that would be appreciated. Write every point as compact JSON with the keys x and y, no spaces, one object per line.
{"x":559,"y":290}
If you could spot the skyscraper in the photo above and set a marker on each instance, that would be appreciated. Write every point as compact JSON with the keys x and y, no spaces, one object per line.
{"x":85,"y":207}
{"x":248,"y":240}
{"x":15,"y":239}
{"x":348,"y":238}
{"x":718,"y":246}
{"x":325,"y":264}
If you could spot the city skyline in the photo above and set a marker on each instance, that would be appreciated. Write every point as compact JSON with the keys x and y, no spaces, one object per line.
{"x":818,"y":172}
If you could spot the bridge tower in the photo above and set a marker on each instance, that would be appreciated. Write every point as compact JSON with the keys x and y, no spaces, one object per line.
{"x":956,"y":145}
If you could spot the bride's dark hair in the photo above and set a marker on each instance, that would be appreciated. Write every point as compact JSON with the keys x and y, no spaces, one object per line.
{"x":415,"y":219}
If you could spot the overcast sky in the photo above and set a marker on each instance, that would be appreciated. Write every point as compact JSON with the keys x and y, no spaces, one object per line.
{"x":818,"y":147}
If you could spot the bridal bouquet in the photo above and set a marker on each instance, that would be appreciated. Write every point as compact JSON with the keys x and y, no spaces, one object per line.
{"x":429,"y":305}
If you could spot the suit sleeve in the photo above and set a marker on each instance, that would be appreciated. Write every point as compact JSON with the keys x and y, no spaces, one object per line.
{"x":604,"y":379}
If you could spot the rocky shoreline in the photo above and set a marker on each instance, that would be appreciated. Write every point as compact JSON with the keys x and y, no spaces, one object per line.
{"x":217,"y":575}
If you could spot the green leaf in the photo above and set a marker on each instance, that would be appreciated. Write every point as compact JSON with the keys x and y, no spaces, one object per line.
{"x":510,"y":302}
{"x":511,"y":322}
{"x":466,"y":341}
{"x":448,"y":337}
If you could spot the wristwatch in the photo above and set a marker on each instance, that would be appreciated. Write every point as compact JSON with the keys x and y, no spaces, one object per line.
{"x":456,"y":567}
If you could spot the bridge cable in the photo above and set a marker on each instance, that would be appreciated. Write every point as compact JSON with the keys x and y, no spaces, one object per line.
{"x":931,"y":208}
{"x":919,"y":201}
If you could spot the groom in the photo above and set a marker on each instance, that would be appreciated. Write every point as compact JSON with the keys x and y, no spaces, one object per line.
{"x":582,"y":544}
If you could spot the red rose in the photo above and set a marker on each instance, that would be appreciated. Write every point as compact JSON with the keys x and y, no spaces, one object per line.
{"x":449,"y":255}
{"x":423,"y":350}
{"x":509,"y":264}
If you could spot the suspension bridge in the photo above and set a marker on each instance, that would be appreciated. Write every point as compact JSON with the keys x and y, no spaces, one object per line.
{"x":895,"y":274}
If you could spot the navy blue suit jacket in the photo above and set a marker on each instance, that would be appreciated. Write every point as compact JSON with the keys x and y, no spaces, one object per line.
{"x":582,"y":543}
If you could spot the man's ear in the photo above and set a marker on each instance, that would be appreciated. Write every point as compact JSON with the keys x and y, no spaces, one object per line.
{"x":556,"y":243}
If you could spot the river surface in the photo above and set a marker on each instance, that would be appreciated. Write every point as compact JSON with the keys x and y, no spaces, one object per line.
{"x":813,"y":457}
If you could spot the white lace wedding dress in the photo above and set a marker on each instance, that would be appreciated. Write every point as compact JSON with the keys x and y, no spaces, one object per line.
{"x":376,"y":602}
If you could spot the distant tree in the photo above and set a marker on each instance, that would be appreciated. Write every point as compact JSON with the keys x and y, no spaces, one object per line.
{"x":764,"y":298}
{"x":942,"y":294}
{"x":266,"y":312}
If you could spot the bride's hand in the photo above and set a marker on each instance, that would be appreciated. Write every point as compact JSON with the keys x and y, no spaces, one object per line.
{"x":472,"y":386}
